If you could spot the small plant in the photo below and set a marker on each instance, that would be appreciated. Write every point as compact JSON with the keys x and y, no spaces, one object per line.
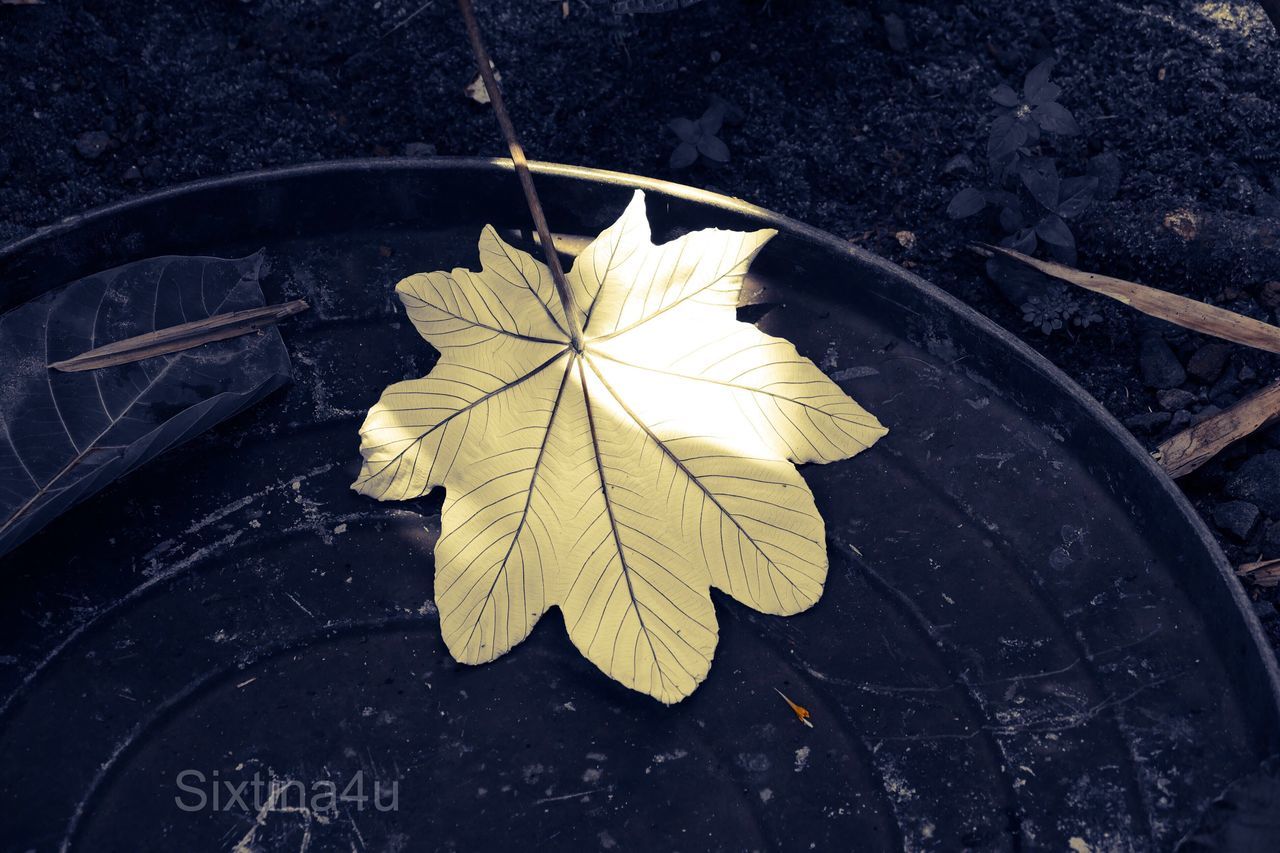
{"x":1055,"y":307}
{"x":699,"y":138}
{"x":1030,"y":202}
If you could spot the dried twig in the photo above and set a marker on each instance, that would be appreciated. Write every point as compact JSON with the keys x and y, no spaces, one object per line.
{"x":522,"y":171}
{"x":1191,"y":448}
{"x":1179,"y":310}
{"x":1263,"y":572}
{"x":177,"y":338}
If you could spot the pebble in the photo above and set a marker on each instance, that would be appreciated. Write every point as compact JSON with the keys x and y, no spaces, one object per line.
{"x":1258,"y":480}
{"x":1175,"y":398}
{"x":1207,"y":362}
{"x":1204,"y":414}
{"x":1237,"y":518}
{"x":1181,"y":420}
{"x":1148,"y":421}
{"x":1271,"y":538}
{"x":419,"y":149}
{"x":1160,"y":367}
{"x":1266,"y":611}
{"x":1270,"y":294}
{"x":1226,"y":387}
{"x":92,"y":144}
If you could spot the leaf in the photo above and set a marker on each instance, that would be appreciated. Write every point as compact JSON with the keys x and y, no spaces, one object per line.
{"x":1055,"y":234}
{"x":1076,"y":194}
{"x":1040,"y":177}
{"x":967,"y":202}
{"x":1106,"y":168}
{"x":712,"y":119}
{"x":1035,"y":85}
{"x":617,"y":483}
{"x":1007,"y":135}
{"x":729,"y":111}
{"x":683,"y":156}
{"x":476,"y":89}
{"x":1011,"y":216}
{"x":713,"y":149}
{"x":896,"y":32}
{"x":687,"y":131}
{"x":1005,"y":96}
{"x":1055,"y":118}
{"x":1045,"y":95}
{"x":67,"y":435}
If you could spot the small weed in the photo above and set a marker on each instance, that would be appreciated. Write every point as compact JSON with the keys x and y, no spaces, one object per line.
{"x":1056,"y":306}
{"x":1029,"y":202}
{"x":700,"y":138}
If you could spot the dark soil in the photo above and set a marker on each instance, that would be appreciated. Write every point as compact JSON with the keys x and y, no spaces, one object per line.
{"x":849,"y":125}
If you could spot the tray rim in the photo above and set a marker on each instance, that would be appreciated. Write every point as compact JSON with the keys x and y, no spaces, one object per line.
{"x":980,"y":323}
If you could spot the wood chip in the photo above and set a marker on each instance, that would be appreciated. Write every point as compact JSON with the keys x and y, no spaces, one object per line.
{"x":1191,"y":448}
{"x":220,"y":327}
{"x":1179,"y":310}
{"x":1262,"y":573}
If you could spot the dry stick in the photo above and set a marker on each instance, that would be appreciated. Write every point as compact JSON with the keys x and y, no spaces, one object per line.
{"x":522,"y":171}
{"x":1262,"y":572}
{"x":1179,"y":310}
{"x":1189,"y":449}
{"x":219,"y":327}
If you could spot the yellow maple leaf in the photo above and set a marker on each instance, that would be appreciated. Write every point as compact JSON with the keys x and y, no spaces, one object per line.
{"x":621,"y":480}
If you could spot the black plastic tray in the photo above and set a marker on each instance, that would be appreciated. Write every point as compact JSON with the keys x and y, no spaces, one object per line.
{"x":1027,"y":635}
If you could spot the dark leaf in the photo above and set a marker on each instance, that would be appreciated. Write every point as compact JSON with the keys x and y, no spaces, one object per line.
{"x":1024,"y":241}
{"x":70,"y":434}
{"x":1055,"y":118}
{"x":1036,"y":81}
{"x":1007,"y":135}
{"x":896,"y":31}
{"x":1040,"y":177}
{"x":713,"y":149}
{"x":688,"y":131}
{"x":1004,"y":95}
{"x":732,"y":114}
{"x":683,"y":156}
{"x":1054,"y":231}
{"x":1106,"y":168}
{"x":1046,"y":94}
{"x":1267,"y":205}
{"x":1011,"y":217}
{"x":1057,"y":236}
{"x":1018,"y":282}
{"x":1003,"y":198}
{"x":711,"y":120}
{"x":1076,"y":196}
{"x":967,"y":202}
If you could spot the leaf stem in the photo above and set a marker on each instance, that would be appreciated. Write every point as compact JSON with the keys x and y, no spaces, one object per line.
{"x":522,"y":172}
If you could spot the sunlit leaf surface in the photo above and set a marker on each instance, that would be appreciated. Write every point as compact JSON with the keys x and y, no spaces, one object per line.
{"x":617,"y":483}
